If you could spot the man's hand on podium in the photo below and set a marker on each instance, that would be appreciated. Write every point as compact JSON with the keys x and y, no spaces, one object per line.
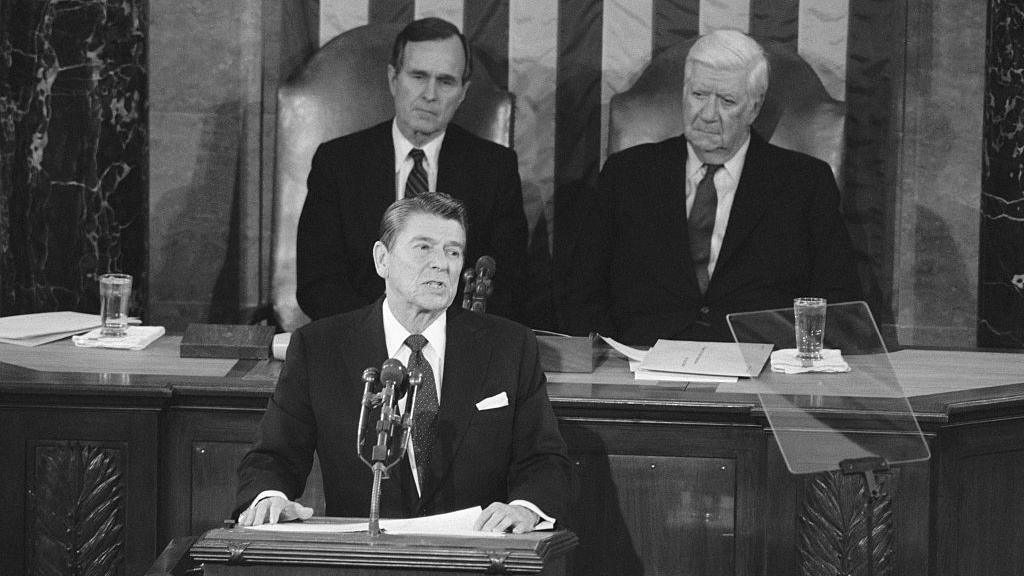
{"x":500,"y":517}
{"x":273,"y":509}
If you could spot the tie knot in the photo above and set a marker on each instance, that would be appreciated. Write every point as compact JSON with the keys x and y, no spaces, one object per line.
{"x":710,"y":169}
{"x":417,"y":155}
{"x":416,"y":342}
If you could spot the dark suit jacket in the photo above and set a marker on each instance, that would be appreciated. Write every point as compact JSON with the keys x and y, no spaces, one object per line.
{"x":479,"y":457}
{"x":635,"y":280}
{"x":351,"y":184}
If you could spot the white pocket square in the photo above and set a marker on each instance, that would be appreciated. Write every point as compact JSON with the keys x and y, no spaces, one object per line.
{"x":496,"y":401}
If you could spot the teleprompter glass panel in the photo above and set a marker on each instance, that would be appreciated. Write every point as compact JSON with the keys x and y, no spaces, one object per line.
{"x":824,"y":419}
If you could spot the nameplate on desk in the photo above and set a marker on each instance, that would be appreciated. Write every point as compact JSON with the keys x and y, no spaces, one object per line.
{"x":227,"y":341}
{"x":561,"y":353}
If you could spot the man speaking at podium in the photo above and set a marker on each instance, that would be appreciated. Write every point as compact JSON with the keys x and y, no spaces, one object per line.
{"x":486,"y":433}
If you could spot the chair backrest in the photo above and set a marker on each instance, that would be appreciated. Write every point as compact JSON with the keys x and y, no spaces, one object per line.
{"x":343,"y":89}
{"x":798,"y":112}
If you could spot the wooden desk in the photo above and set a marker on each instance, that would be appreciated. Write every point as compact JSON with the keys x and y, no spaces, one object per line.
{"x":669,"y":479}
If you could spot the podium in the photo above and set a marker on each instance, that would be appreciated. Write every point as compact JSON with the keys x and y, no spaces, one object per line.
{"x":237,"y":551}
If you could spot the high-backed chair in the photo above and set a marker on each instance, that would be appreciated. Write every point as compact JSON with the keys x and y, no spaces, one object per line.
{"x":798,"y":112}
{"x":343,"y":89}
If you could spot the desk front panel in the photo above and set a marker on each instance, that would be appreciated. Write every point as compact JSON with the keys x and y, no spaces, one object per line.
{"x":670,"y":479}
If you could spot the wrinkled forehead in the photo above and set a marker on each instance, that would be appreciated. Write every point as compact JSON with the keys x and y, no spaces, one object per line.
{"x":733,"y":78}
{"x":432,"y":227}
{"x":444,"y":55}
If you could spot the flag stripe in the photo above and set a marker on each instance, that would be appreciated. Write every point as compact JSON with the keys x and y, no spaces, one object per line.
{"x":578,"y":120}
{"x":532,"y":54}
{"x":485,"y":23}
{"x":718,"y":14}
{"x":450,"y":10}
{"x":337,"y":16}
{"x":626,"y":50}
{"x":395,"y":11}
{"x":775,"y":21}
{"x":674,"y":21}
{"x":821,"y":40}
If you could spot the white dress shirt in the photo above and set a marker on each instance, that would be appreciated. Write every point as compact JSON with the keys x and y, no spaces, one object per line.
{"x":726,"y":180}
{"x":404,"y":164}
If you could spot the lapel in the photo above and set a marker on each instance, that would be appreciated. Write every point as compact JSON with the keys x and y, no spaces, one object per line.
{"x":668,"y":213}
{"x":366,"y":345}
{"x":751,"y":203}
{"x":466,"y":359}
{"x":451,"y":167}
{"x":380,"y":173}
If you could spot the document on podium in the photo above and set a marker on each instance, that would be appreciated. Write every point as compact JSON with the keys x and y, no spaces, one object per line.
{"x":708,"y":358}
{"x":459,"y":522}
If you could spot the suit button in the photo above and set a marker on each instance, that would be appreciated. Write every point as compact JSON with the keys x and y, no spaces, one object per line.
{"x":705,"y":310}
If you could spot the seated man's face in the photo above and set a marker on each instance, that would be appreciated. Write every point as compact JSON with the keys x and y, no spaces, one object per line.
{"x":428,"y":87}
{"x":717,"y":111}
{"x":421,"y":270}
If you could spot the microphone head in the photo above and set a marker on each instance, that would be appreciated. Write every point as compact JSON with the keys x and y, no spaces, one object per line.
{"x":485,"y":266}
{"x":370,"y":382}
{"x":392,"y":371}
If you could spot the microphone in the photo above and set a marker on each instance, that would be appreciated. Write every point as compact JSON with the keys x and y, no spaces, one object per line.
{"x":485,"y":267}
{"x":392,"y":373}
{"x":478,"y":284}
{"x":394,"y":385}
{"x":370,"y":401}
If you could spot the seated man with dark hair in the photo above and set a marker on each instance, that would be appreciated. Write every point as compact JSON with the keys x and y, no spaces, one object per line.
{"x":356,"y":177}
{"x":717,"y":220}
{"x":484,"y":432}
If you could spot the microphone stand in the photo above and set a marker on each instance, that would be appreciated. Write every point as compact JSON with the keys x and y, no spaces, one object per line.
{"x":383,"y":458}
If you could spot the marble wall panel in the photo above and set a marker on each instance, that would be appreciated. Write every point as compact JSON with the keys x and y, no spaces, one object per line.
{"x":73,"y":140}
{"x":1001,"y":268}
{"x":214,"y":72}
{"x":936,"y":241}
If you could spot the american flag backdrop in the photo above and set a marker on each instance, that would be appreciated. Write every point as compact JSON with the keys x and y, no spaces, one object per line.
{"x":565,"y":59}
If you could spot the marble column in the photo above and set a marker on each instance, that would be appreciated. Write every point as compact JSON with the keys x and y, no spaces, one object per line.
{"x":1001,"y":266}
{"x":73,"y":151}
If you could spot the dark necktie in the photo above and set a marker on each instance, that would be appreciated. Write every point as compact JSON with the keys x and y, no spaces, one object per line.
{"x":417,"y":181}
{"x":701,"y":224}
{"x":424,"y":424}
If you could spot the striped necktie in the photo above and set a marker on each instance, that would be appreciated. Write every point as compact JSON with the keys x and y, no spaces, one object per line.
{"x":424,"y":423}
{"x":701,"y":224}
{"x":417,"y":182}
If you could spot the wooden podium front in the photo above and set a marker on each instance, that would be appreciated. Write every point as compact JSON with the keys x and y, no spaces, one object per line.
{"x":236,"y":551}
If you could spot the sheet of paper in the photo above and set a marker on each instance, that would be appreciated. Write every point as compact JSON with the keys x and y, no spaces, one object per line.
{"x":649,"y":375}
{"x":39,"y":340}
{"x":711,"y":358}
{"x":60,"y":324}
{"x":628,"y":352}
{"x":459,"y":522}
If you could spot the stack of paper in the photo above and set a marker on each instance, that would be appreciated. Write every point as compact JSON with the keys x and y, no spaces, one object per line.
{"x":452,"y":523}
{"x":36,"y":329}
{"x":687,"y":361}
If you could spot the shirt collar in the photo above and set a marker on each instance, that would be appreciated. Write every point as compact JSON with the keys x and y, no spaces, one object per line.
{"x":395,"y":334}
{"x":733,"y":166}
{"x":431,"y":149}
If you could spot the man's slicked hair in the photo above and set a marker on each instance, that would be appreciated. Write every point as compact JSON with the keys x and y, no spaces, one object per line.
{"x":434,"y":203}
{"x":732,"y":49}
{"x":425,"y":30}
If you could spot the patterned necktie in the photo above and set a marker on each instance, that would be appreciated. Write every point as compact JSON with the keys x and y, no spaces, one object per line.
{"x":424,"y":424}
{"x":701,"y":224}
{"x":416,"y":184}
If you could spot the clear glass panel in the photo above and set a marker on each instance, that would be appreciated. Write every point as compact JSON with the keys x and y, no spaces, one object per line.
{"x":822,"y":419}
